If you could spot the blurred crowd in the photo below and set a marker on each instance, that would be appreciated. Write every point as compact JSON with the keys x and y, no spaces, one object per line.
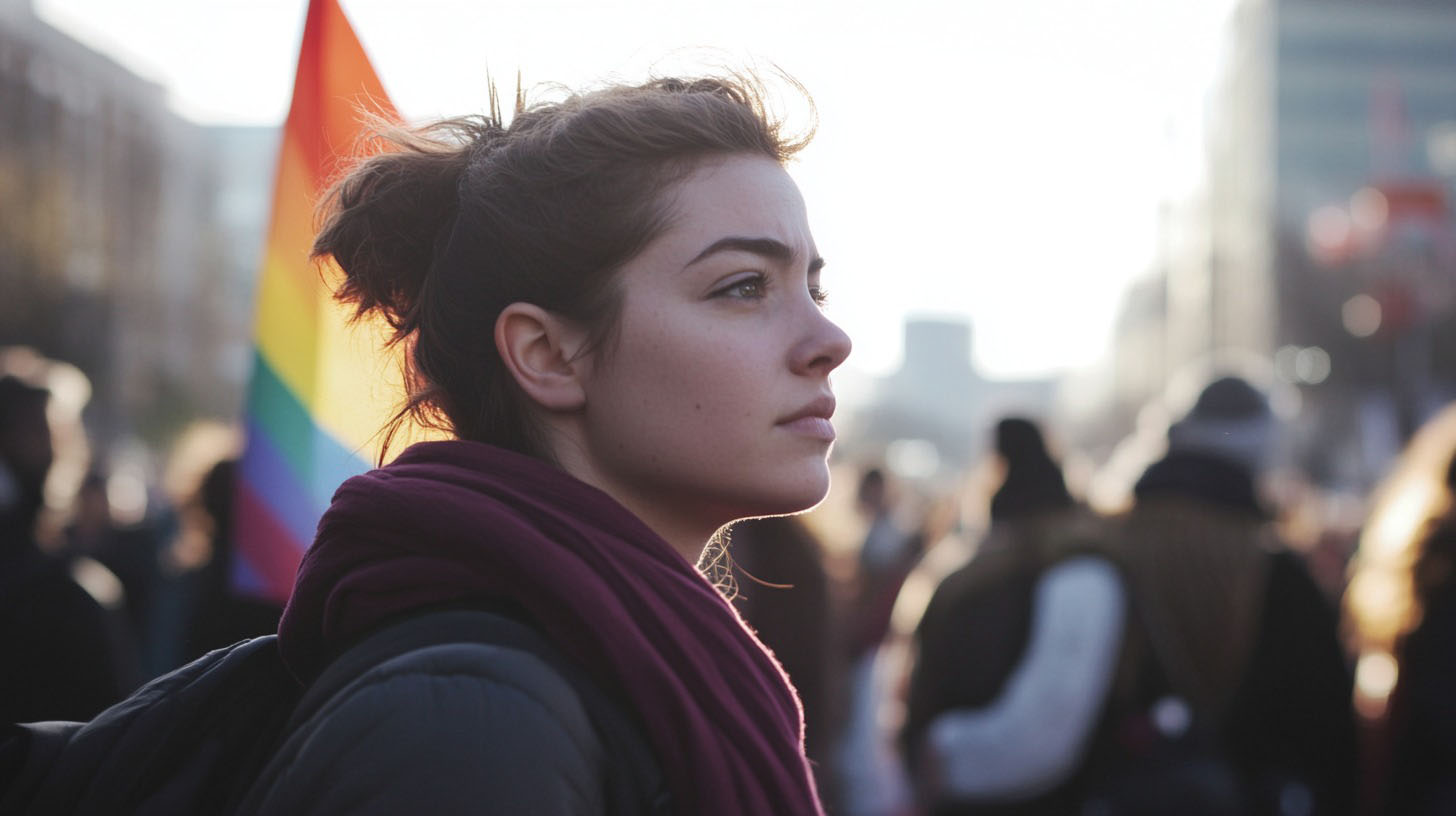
{"x":997,"y":645}
{"x":973,"y":646}
{"x":105,"y":583}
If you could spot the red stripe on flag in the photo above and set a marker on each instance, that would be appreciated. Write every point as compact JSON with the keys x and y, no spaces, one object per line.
{"x":334,"y":80}
{"x":272,"y":553}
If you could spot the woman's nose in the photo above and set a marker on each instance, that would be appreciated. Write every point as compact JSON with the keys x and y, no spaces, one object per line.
{"x":822,"y":348}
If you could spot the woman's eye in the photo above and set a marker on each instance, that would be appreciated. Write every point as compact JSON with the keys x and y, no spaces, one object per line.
{"x":819,"y":294}
{"x":752,"y":288}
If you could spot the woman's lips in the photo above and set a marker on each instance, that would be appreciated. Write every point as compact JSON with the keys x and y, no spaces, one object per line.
{"x":817,"y":427}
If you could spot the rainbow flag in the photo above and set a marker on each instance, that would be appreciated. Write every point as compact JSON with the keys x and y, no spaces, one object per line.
{"x":321,"y":389}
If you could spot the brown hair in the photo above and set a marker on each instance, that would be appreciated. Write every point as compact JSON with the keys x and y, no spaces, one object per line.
{"x":458,"y":219}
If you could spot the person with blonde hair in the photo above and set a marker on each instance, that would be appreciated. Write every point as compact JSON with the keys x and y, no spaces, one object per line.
{"x":1401,"y":612}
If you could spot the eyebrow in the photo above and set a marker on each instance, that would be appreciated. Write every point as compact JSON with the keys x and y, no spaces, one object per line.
{"x":765,"y":247}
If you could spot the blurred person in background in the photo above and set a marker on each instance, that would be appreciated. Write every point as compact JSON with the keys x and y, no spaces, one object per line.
{"x":218,"y":616}
{"x":1423,"y":704}
{"x":1235,"y":659}
{"x":782,"y":591}
{"x":1177,"y":659}
{"x":868,"y":772}
{"x":129,"y":551}
{"x":65,"y":657}
{"x":976,"y":629}
{"x":1401,"y":607}
{"x":1033,"y":485}
{"x":885,"y":557}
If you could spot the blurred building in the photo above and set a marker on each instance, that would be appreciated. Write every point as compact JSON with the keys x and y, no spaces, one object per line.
{"x":936,"y":410}
{"x":245,"y":159}
{"x":1140,"y":358}
{"x":1321,"y":239}
{"x":115,"y":250}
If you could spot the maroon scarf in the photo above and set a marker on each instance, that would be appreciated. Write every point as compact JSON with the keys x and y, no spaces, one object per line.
{"x":451,"y":521}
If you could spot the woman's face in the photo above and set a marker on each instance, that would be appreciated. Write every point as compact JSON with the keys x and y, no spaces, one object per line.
{"x":712,"y":402}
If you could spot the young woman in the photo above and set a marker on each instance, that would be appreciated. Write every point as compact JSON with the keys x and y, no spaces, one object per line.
{"x":613,"y":304}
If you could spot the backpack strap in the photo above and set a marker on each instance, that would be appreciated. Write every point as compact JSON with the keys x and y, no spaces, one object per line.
{"x":634,"y":787}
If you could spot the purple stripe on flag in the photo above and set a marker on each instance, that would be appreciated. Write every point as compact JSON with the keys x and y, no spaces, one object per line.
{"x":279,"y":488}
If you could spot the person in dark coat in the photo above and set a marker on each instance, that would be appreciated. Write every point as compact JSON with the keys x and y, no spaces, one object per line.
{"x":611,"y":306}
{"x":129,"y":552}
{"x":1235,"y":626}
{"x":976,"y":631}
{"x":220,"y":616}
{"x":63,"y":659}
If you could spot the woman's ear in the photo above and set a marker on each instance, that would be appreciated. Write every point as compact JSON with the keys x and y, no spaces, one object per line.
{"x":542,"y":351}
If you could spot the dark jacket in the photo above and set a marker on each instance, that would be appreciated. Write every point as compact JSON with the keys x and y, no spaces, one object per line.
{"x":457,"y":710}
{"x":1247,"y":634}
{"x":973,"y":635}
{"x":464,"y":523}
{"x":455,"y":728}
{"x":66,"y":657}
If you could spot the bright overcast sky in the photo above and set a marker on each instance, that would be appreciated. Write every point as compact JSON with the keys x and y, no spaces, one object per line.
{"x":1000,"y":161}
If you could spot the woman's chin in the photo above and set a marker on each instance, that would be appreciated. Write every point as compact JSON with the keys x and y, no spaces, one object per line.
{"x":794,"y":497}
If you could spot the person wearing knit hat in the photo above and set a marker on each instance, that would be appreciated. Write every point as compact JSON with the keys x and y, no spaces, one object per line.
{"x":1232,"y":420}
{"x":1236,"y":629}
{"x":1217,"y":450}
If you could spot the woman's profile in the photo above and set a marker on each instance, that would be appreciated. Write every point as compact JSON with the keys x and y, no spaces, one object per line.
{"x":612,"y":304}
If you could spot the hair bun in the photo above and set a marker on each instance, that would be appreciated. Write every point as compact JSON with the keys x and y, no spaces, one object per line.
{"x":382,"y":221}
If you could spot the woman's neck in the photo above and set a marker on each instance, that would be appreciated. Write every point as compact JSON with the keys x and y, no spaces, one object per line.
{"x":684,"y":532}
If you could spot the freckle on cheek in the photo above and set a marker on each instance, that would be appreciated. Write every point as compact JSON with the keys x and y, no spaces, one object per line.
{"x":697,"y":406}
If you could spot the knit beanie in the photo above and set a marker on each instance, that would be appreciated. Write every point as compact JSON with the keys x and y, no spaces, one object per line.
{"x":1231,"y":420}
